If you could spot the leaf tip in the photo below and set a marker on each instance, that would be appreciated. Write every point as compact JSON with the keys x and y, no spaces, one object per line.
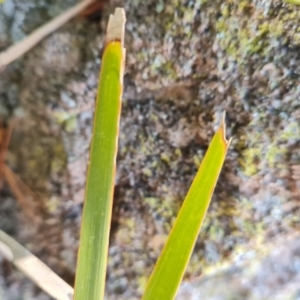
{"x":223,"y":131}
{"x":116,"y":26}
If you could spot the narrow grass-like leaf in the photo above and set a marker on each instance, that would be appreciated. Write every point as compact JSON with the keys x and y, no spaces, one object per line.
{"x":35,"y":269}
{"x":93,"y":249}
{"x":169,"y":269}
{"x":297,"y":2}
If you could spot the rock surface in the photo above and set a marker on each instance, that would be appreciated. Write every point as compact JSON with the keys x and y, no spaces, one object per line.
{"x":187,"y":62}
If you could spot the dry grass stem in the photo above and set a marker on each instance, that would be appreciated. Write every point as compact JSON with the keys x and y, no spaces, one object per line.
{"x":17,"y":50}
{"x":35,"y":269}
{"x":17,"y":187}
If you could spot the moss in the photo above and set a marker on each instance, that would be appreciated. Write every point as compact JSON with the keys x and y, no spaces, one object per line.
{"x":243,"y":30}
{"x":189,"y":15}
{"x":259,"y":155}
{"x":178,"y":152}
{"x":71,"y":124}
{"x":53,"y":204}
{"x":166,"y":158}
{"x":163,"y":209}
{"x":147,"y":172}
{"x":61,"y":116}
{"x":249,"y":162}
{"x":197,"y":161}
{"x":216,"y":231}
{"x":243,"y":220}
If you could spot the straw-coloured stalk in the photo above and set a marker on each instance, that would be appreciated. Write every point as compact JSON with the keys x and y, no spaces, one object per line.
{"x":93,"y":249}
{"x":169,"y":269}
{"x":20,"y":48}
{"x":35,"y":269}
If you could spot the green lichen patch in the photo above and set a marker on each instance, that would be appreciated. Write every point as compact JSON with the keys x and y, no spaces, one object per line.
{"x":245,"y":29}
{"x":264,"y":152}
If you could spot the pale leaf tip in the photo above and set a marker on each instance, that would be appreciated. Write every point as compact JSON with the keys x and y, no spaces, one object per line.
{"x":116,"y":26}
{"x":223,"y":129}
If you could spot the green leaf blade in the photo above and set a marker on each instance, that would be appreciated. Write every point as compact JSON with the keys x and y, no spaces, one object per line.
{"x":297,"y":2}
{"x":93,"y":250}
{"x":169,"y":269}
